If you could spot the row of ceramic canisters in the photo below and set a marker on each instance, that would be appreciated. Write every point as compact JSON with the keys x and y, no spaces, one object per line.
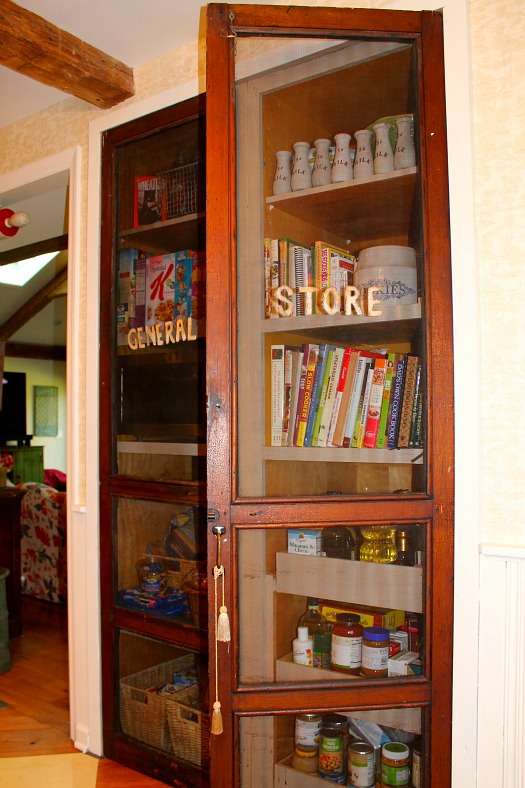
{"x":374,"y":154}
{"x":390,"y":268}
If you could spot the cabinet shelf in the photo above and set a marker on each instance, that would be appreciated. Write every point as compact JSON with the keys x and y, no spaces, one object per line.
{"x":367,"y":209}
{"x":352,"y":582}
{"x":170,"y":631}
{"x":182,"y":232}
{"x":375,"y":456}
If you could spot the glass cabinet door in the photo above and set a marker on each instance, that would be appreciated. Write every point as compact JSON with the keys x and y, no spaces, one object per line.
{"x":153,"y":446}
{"x":338,"y":514}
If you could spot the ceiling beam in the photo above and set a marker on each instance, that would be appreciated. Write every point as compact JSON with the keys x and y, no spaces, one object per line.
{"x":56,"y":287}
{"x":40,"y":352}
{"x":40,"y":50}
{"x":58,"y":244}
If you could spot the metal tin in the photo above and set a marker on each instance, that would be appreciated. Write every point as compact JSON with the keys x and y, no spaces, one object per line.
{"x":332,"y":760}
{"x":361,"y":771}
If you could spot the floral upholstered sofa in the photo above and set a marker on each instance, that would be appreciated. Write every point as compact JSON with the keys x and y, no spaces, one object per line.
{"x":43,"y":545}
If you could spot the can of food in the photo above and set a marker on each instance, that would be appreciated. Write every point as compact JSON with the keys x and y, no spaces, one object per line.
{"x":361,"y":772}
{"x":332,"y":760}
{"x":307,"y":727}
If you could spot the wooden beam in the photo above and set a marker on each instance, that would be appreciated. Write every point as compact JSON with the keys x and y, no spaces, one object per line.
{"x":35,"y":304}
{"x":41,"y":352}
{"x":40,"y":50}
{"x":57,"y":244}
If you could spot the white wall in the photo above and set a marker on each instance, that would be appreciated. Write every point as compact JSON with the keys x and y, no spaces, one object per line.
{"x":45,"y":373}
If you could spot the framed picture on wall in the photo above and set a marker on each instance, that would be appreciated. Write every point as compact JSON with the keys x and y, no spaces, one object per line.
{"x":45,"y":417}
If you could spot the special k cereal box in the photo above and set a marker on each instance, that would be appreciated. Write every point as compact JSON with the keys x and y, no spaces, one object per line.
{"x":159,"y":289}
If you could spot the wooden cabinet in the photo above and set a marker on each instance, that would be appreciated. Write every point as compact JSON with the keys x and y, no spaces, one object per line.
{"x":277,"y":76}
{"x":28,"y":463}
{"x":192,"y":413}
{"x":153,"y":446}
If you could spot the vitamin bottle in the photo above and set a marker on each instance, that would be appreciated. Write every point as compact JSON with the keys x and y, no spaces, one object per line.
{"x":395,"y":764}
{"x":347,"y":640}
{"x":375,"y":652}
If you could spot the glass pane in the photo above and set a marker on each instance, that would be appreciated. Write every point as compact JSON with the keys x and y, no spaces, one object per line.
{"x":159,"y":305}
{"x":161,"y":566}
{"x":163,"y":693}
{"x":340,"y":583}
{"x":345,"y":747}
{"x":330,"y":272}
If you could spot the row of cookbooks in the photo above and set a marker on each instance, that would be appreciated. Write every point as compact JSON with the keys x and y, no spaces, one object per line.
{"x":287,"y":262}
{"x":326,"y":395}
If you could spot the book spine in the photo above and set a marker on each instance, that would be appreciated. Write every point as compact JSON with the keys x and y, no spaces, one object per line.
{"x":397,"y":398}
{"x":359,"y":431}
{"x":374,"y":405}
{"x":408,"y":402}
{"x":277,"y":393}
{"x":300,"y":397}
{"x":338,"y":435}
{"x":267,"y":278}
{"x":357,"y":384}
{"x":287,"y":394}
{"x":417,"y":398}
{"x":338,"y":395}
{"x":418,"y":426}
{"x":313,"y":352}
{"x":274,"y":275}
{"x":297,"y":357}
{"x":335,"y":369}
{"x":322,"y":397}
{"x":385,"y":402}
{"x":316,"y":391}
{"x":301,"y":277}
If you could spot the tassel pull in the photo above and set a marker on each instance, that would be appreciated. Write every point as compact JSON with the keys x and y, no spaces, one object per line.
{"x":223,"y":625}
{"x":216,"y":719}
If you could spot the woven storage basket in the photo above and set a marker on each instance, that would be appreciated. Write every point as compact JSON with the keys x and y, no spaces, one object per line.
{"x":189,"y":727}
{"x":178,"y":569}
{"x":143,"y":713}
{"x":183,"y":191}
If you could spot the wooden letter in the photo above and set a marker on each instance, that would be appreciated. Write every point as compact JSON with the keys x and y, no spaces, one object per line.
{"x":331,"y":295}
{"x":351,"y":296}
{"x":140,"y":337}
{"x":158,"y":333}
{"x":179,"y":329}
{"x":371,"y":291}
{"x":132,"y":338}
{"x":191,"y":335}
{"x":168,"y":332}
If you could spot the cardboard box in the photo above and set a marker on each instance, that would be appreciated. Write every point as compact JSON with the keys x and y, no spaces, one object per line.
{"x":406,"y":663}
{"x":369,"y":617}
{"x":305,"y":542}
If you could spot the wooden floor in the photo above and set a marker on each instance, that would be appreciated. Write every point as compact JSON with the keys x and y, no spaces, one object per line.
{"x":36,"y":718}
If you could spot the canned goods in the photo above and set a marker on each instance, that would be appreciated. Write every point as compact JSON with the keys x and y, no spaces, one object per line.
{"x":307,"y":727}
{"x":332,"y":764}
{"x":361,"y":772}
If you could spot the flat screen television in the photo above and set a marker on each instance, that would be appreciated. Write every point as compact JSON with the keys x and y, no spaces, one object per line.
{"x":13,"y":411}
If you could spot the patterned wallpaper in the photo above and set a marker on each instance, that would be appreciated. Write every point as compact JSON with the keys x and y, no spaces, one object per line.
{"x":498,"y":68}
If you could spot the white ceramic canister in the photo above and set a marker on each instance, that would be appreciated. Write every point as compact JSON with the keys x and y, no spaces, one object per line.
{"x":397,"y":284}
{"x":364,"y":158}
{"x":322,"y":171}
{"x":383,"y":153}
{"x":283,"y":174}
{"x":301,"y":177}
{"x":405,"y":152}
{"x":386,"y":255}
{"x":342,"y":168}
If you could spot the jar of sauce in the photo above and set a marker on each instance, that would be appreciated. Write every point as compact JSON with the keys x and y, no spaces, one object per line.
{"x":307,"y":727}
{"x":305,"y":761}
{"x":395,"y":768}
{"x":347,"y":640}
{"x":375,"y":652}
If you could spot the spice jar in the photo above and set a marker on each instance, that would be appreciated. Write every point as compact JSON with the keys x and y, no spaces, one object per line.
{"x":395,"y":769}
{"x":375,"y":652}
{"x":347,"y":639}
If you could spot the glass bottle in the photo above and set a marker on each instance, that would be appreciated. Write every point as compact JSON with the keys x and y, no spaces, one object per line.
{"x":405,"y":554}
{"x":338,"y":542}
{"x":378,"y":545}
{"x":312,"y":618}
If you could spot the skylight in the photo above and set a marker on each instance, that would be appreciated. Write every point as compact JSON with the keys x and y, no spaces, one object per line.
{"x":18,"y":274}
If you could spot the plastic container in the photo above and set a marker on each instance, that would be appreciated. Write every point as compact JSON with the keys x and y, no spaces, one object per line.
{"x":302,"y":647}
{"x":395,"y":765}
{"x":375,"y":652}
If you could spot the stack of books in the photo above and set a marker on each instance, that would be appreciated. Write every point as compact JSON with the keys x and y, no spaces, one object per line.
{"x":325,"y":395}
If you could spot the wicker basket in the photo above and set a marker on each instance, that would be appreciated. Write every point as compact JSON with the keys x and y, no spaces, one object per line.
{"x":189,"y":727}
{"x":143,"y":713}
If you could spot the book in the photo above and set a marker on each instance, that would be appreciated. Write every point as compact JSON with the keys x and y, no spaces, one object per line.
{"x":288,"y":353}
{"x":301,"y":264}
{"x":416,"y":435}
{"x":397,"y":397}
{"x":267,"y":278}
{"x":322,"y":396}
{"x":311,"y":353}
{"x":339,"y":428}
{"x":334,"y":266}
{"x":274,"y":274}
{"x":339,"y":394}
{"x":407,"y":406}
{"x":148,"y":202}
{"x":362,"y":364}
{"x":385,"y":403}
{"x":297,"y":357}
{"x":360,"y":422}
{"x":417,"y":399}
{"x":277,"y":393}
{"x":322,"y":358}
{"x":375,"y":403}
{"x":335,"y":369}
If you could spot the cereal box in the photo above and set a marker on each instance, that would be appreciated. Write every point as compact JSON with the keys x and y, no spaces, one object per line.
{"x":159,"y":289}
{"x":369,"y":617}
